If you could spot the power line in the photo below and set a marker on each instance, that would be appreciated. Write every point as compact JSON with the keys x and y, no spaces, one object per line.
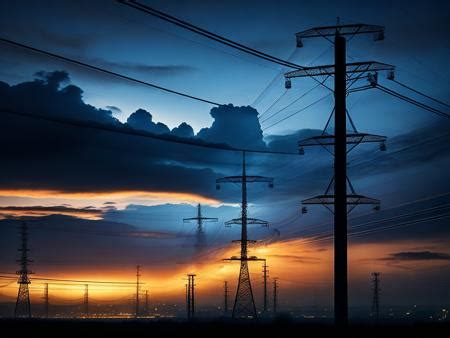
{"x":133,"y":132}
{"x":106,"y":71}
{"x":421,"y":93}
{"x":274,"y":103}
{"x":298,"y":111}
{"x":412,"y":101}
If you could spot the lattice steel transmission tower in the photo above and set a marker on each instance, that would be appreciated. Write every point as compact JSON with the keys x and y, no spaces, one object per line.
{"x":190,"y":296}
{"x":376,"y":296}
{"x":86,"y":300}
{"x":23,"y":305}
{"x":46,"y":301}
{"x":146,"y":308}
{"x":275,"y":295}
{"x":345,"y":76}
{"x":244,"y":304}
{"x":200,"y":235}
{"x":225,"y":298}
{"x":265,"y":276}
{"x":138,"y":290}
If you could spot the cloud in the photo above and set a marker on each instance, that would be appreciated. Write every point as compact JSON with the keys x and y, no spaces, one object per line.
{"x":24,"y":211}
{"x":142,"y":120}
{"x":416,"y":256}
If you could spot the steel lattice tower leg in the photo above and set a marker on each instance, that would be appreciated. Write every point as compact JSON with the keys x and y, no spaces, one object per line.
{"x":23,"y":305}
{"x":244,"y":304}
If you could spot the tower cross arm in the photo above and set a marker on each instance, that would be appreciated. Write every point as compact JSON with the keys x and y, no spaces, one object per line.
{"x":329,"y":70}
{"x":326,"y":31}
{"x":248,"y":179}
{"x":204,"y":219}
{"x":249,"y":221}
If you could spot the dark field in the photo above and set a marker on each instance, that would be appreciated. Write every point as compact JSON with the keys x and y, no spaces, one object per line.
{"x":220,"y":328}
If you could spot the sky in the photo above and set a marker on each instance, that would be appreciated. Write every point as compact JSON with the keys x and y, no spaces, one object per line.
{"x":98,"y":203}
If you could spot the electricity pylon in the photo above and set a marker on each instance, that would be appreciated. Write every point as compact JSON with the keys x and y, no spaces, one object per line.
{"x":244,"y":304}
{"x":23,"y":305}
{"x":146,"y":309}
{"x":200,"y":235}
{"x":376,"y":296}
{"x":191,"y":296}
{"x":339,"y":199}
{"x":138,"y":290}
{"x":225,"y":298}
{"x":265,"y":276}
{"x":275,"y":295}
{"x":86,"y":300}
{"x":46,"y":301}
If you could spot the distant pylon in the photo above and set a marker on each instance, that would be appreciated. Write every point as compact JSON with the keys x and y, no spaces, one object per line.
{"x":146,"y":309}
{"x":138,"y":290}
{"x":244,"y":304}
{"x":200,"y":235}
{"x":23,"y":305}
{"x":265,"y":275}
{"x":376,"y":296}
{"x":275,"y":295}
{"x":191,"y":296}
{"x":46,"y":301}
{"x":225,"y":298}
{"x":86,"y":300}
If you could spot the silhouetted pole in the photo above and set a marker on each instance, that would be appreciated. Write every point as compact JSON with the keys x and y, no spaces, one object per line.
{"x":340,"y":184}
{"x":46,"y":301}
{"x":146,"y":311}
{"x":265,"y":271}
{"x":138,"y":287}
{"x":188,"y":298}
{"x":191,"y":296}
{"x":275,"y":295}
{"x":376,"y":296}
{"x":225,"y":298}
{"x":86,"y":300}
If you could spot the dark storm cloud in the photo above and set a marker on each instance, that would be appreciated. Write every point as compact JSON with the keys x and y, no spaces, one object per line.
{"x":153,"y":70}
{"x":416,"y":256}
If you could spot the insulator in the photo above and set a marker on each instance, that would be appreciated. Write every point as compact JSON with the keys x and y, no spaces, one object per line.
{"x":217,"y":186}
{"x":377,"y":207}
{"x":299,"y":42}
{"x":304,"y":210}
{"x":373,"y":79}
{"x":383,"y":146}
{"x":301,"y":151}
{"x":379,"y":36}
{"x":271,"y":185}
{"x":391,"y":75}
{"x":287,"y":84}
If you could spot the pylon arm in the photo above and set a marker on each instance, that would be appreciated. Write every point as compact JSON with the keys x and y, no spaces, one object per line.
{"x":330,"y":31}
{"x":329,"y":70}
{"x":236,"y":258}
{"x":352,"y":199}
{"x":252,"y":241}
{"x":249,"y":221}
{"x":353,"y":138}
{"x":248,"y":179}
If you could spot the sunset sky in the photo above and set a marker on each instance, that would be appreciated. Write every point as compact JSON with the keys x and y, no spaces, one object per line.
{"x":99,"y":203}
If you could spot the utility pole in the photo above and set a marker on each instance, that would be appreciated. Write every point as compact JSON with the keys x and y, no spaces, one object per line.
{"x":138,"y":290}
{"x":225,"y":298}
{"x":188,"y":299}
{"x":191,"y":296}
{"x":265,"y":275}
{"x":200,"y":235}
{"x":23,"y":305}
{"x":146,"y":310}
{"x":244,"y":304}
{"x":86,"y":300}
{"x":340,"y":199}
{"x":46,"y":302}
{"x":376,"y":296}
{"x":275,"y":295}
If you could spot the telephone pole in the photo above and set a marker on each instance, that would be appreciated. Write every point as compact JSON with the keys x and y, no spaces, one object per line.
{"x":244,"y":304}
{"x":23,"y":305}
{"x":46,"y":301}
{"x":86,"y":300}
{"x":138,"y":290}
{"x":376,"y":296}
{"x":200,"y":235}
{"x":345,"y":76}
{"x":225,"y":298}
{"x":275,"y":295}
{"x":265,"y":275}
